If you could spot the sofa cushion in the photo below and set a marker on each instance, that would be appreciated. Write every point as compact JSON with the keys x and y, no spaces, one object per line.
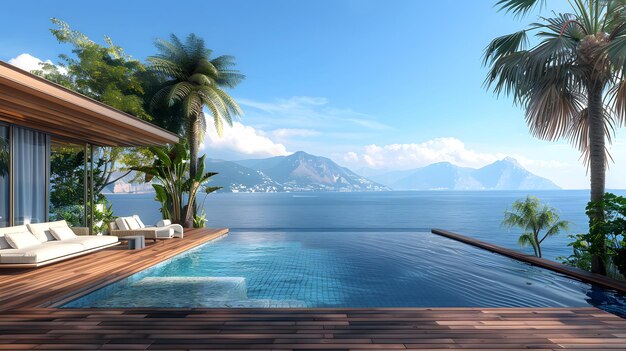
{"x":4,"y":244}
{"x":41,"y":252}
{"x":92,"y":241}
{"x":132,"y":223}
{"x":62,"y":233}
{"x":42,"y":230}
{"x":136,"y":217}
{"x":121,"y":223}
{"x":21,"y":240}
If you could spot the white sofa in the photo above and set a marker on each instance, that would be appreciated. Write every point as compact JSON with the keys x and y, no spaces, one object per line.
{"x":133,"y":225}
{"x":46,"y":248}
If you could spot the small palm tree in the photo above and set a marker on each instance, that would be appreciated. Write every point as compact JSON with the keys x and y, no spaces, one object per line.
{"x":193,"y":81}
{"x":533,"y":217}
{"x":571,"y":83}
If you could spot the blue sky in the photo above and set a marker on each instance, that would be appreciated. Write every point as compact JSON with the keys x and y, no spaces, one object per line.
{"x":375,"y":84}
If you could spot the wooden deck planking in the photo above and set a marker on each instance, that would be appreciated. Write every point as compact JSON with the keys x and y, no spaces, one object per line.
{"x":322,"y":329}
{"x":27,"y":320}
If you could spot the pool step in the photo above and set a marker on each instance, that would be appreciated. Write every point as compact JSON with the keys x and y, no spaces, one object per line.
{"x":181,"y":292}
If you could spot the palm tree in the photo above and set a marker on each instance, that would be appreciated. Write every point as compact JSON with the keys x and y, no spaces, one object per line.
{"x":193,"y":81}
{"x":570,"y":83}
{"x":533,"y":217}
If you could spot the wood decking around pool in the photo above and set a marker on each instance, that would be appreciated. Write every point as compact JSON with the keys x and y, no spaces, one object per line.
{"x":28,"y":319}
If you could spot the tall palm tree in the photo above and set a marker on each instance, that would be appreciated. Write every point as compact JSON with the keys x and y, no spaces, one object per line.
{"x":571,"y":82}
{"x":533,"y":217}
{"x":193,"y":81}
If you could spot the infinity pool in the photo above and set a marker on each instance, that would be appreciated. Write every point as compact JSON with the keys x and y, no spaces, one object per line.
{"x":346,"y":269}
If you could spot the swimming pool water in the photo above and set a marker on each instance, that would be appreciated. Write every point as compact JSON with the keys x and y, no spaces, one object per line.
{"x":346,"y":269}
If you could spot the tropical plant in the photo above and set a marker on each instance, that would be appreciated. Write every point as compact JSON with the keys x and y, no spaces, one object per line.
{"x":610,"y":227}
{"x":533,"y":218}
{"x":107,"y":74}
{"x":173,"y":185}
{"x":4,"y":157}
{"x":571,"y":82}
{"x":190,"y":81}
{"x":199,"y":220}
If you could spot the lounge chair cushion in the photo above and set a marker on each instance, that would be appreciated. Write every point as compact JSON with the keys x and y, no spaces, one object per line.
{"x":136,"y":217}
{"x":163,"y":223}
{"x":62,"y":233}
{"x":54,"y":249}
{"x":92,"y":241}
{"x":121,"y":223}
{"x":132,"y":223}
{"x":21,"y":240}
{"x":4,"y":244}
{"x":42,"y":230}
{"x":39,"y":253}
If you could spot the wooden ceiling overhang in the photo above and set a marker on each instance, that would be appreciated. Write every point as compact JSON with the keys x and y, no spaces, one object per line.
{"x":33,"y":102}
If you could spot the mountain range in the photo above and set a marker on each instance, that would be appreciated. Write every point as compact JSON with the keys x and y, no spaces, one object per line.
{"x":301,"y":171}
{"x":505,"y":174}
{"x":297,"y":172}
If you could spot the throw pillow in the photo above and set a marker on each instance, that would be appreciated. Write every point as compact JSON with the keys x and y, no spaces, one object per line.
{"x":21,"y":240}
{"x":62,"y":233}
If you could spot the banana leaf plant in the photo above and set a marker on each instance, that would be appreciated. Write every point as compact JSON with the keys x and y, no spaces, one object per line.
{"x":172,"y":184}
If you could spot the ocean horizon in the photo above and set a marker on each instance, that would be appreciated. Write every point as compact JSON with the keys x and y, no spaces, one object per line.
{"x":476,"y":214}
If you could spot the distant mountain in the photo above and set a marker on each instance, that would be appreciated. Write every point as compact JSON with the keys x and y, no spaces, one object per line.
{"x":304,"y":172}
{"x":506,"y":174}
{"x":234,"y":177}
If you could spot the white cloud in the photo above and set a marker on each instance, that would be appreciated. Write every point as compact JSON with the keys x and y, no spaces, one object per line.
{"x":293,"y":132}
{"x":27,"y":62}
{"x":244,"y":140}
{"x":406,"y":156}
{"x":306,"y":112}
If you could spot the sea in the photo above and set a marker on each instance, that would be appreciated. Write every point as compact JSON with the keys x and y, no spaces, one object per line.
{"x":477,"y":214}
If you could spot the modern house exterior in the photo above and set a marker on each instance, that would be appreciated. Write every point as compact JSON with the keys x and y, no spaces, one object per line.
{"x":36,"y":114}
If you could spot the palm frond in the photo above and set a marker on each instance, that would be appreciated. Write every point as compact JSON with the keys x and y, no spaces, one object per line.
{"x":519,"y":7}
{"x":505,"y":45}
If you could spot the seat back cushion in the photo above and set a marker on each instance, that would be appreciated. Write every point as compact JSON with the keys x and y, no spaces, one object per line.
{"x":136,"y":217}
{"x":121,"y":224}
{"x":22,"y":240}
{"x":4,"y":244}
{"x":132,"y":223}
{"x":42,"y":230}
{"x":62,"y":233}
{"x":164,"y":222}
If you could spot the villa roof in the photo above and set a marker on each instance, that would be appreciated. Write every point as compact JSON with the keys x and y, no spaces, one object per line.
{"x":31,"y":101}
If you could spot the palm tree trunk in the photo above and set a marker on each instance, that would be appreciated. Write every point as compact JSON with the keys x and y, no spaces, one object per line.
{"x":193,"y":148}
{"x":597,"y":163}
{"x":538,"y":245}
{"x":194,"y":145}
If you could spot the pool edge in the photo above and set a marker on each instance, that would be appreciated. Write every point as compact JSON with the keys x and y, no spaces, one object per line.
{"x":579,"y":274}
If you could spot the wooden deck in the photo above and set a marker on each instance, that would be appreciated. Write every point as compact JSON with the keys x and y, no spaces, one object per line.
{"x":28,"y":319}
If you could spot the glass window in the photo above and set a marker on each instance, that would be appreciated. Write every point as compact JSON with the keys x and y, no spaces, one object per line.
{"x":4,"y":176}
{"x":67,"y":185}
{"x":31,"y":150}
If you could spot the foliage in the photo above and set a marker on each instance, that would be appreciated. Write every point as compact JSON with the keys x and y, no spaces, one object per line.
{"x":192,"y":80}
{"x":199,"y":220}
{"x":174,"y":185}
{"x":109,"y":75}
{"x":605,"y":230}
{"x":533,"y":218}
{"x":67,"y":168}
{"x":4,"y":157}
{"x":571,"y":81}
